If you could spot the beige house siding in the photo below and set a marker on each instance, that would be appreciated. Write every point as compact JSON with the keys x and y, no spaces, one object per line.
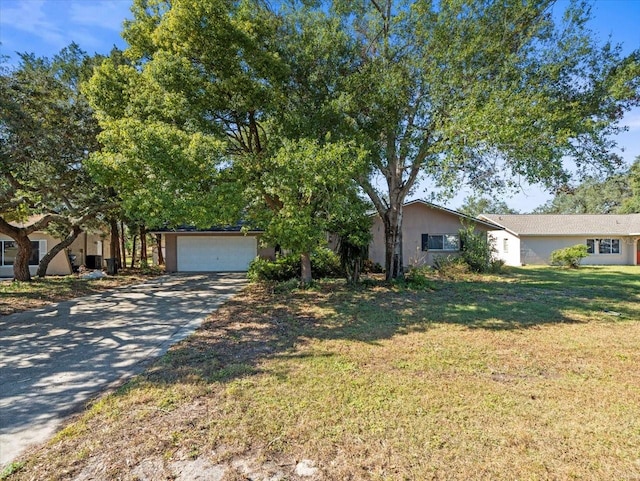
{"x":418,"y":218}
{"x":537,"y":250}
{"x":541,"y":234}
{"x":170,"y":242}
{"x":85,"y":244}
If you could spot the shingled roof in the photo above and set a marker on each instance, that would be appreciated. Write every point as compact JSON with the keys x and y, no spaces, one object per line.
{"x":567,"y":224}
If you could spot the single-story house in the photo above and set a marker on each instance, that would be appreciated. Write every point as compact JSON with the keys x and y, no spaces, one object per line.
{"x":611,"y":239}
{"x":218,"y":249}
{"x":89,"y":249}
{"x":428,"y":231}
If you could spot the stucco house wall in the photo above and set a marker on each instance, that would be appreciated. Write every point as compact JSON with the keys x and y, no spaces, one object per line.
{"x":540,"y":234}
{"x":537,"y":250}
{"x":420,"y":218}
{"x":507,"y":247}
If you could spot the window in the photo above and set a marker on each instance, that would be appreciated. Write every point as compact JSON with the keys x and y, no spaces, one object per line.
{"x":34,"y":260}
{"x":609,"y":246}
{"x":591,"y":246}
{"x":441,"y":242}
{"x":505,"y":246}
{"x":9,"y":250}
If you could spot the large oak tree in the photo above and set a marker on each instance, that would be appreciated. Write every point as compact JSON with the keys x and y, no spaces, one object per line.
{"x":484,"y":92}
{"x":220,"y":111}
{"x":47,"y":131}
{"x":488,"y":93}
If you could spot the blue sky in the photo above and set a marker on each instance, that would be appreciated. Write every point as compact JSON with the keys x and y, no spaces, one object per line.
{"x":44,"y":27}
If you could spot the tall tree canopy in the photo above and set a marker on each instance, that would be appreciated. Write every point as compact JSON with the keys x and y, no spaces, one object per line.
{"x":591,"y":196}
{"x":475,"y":205}
{"x":184,"y":106}
{"x":631,"y":205}
{"x":481,"y":92}
{"x":205,"y":121}
{"x":46,"y":133}
{"x":484,"y":92}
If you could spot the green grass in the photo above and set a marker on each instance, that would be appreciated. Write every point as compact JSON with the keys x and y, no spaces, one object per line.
{"x":528,"y":375}
{"x":10,"y":469}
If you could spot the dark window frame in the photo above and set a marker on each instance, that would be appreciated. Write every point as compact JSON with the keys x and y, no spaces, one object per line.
{"x":430,"y":242}
{"x":34,"y":260}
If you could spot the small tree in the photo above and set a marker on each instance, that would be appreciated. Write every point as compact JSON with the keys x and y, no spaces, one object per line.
{"x":354,"y":237}
{"x":311,"y":191}
{"x":569,"y":256}
{"x":475,"y":250}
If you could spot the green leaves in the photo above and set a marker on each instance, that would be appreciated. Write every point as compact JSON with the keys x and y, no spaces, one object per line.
{"x":183,"y":104}
{"x":272,"y":109}
{"x":47,"y":132}
{"x":162,"y":174}
{"x":313,"y":186}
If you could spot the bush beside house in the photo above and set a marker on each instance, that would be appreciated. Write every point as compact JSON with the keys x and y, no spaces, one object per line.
{"x":569,"y":256}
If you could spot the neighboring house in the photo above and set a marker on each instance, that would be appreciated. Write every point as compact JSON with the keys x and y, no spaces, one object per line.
{"x":89,"y":249}
{"x":530,"y":238}
{"x":428,"y":230}
{"x":228,"y":249}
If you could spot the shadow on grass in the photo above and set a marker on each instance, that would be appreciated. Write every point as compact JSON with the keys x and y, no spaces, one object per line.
{"x":262,"y":325}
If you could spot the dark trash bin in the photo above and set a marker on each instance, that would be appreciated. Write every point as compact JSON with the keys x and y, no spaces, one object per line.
{"x":112,"y":267}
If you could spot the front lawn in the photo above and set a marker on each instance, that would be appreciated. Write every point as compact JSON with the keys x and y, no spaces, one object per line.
{"x":530,"y":375}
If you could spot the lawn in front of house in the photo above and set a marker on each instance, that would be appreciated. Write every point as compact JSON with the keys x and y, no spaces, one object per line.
{"x":528,"y":375}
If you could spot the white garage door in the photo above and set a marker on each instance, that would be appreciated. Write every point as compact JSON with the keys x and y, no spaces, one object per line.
{"x":215,"y":253}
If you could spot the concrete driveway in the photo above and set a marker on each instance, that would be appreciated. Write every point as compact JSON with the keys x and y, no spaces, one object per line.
{"x":54,"y":359}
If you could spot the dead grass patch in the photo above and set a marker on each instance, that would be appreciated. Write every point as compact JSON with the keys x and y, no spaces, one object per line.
{"x":516,"y":377}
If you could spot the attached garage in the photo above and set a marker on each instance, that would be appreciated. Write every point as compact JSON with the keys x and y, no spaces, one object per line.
{"x":215,"y":253}
{"x":187,"y":249}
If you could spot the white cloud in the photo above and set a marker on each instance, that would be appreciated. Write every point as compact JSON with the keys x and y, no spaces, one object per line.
{"x":29,"y":16}
{"x":45,"y":26}
{"x":107,"y":14}
{"x":632,"y":120}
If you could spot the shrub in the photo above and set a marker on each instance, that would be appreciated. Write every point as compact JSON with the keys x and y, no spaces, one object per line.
{"x":281,"y":269}
{"x":569,"y":256}
{"x":324,"y":263}
{"x":353,"y":231}
{"x":419,"y":277}
{"x":451,"y":267}
{"x":370,"y":267}
{"x":496,"y":265}
{"x":477,"y":252}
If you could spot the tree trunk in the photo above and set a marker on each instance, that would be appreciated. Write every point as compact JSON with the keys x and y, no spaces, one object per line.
{"x":160,"y":255}
{"x":21,"y":236}
{"x":66,"y":242}
{"x":133,"y":251}
{"x":392,"y":220}
{"x":114,"y":245}
{"x":21,"y":262}
{"x":123,"y":247}
{"x":305,"y":261}
{"x":355,"y":277}
{"x":143,"y":246}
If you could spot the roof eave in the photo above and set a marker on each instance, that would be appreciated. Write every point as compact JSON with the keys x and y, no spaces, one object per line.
{"x":455,"y":212}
